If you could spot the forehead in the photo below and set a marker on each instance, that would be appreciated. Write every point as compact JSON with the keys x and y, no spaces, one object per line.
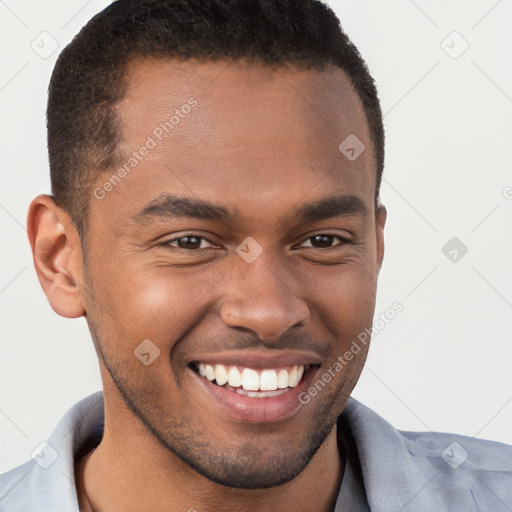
{"x":229,"y":93}
{"x":239,"y":130}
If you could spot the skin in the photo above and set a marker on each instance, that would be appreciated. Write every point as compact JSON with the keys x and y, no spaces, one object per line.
{"x":261,"y":143}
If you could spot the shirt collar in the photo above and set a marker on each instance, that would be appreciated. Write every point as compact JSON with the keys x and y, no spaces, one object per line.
{"x":52,"y":482}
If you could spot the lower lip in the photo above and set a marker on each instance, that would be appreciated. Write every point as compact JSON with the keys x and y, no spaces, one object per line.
{"x":253,"y":409}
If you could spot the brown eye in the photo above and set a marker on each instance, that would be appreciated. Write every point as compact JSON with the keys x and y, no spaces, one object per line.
{"x":190,"y":242}
{"x":324,"y":241}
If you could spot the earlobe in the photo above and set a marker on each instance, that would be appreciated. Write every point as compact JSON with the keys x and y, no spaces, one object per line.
{"x":57,"y":255}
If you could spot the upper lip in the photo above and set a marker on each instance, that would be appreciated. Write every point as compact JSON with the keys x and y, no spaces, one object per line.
{"x":258,"y":359}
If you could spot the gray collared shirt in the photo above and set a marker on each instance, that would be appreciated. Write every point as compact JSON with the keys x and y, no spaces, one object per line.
{"x":387,"y":470}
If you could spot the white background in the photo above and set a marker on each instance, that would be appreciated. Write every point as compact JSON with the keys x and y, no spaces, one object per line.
{"x":445,"y":362}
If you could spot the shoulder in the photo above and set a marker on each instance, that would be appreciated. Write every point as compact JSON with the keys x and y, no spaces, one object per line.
{"x":21,"y":490}
{"x":46,"y":482}
{"x":424,"y":471}
{"x":458,"y":451}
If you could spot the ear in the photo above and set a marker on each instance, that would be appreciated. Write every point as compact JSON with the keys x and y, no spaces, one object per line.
{"x":57,"y":253}
{"x":380,"y":222}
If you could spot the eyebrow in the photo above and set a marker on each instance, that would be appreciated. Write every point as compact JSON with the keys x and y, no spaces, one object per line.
{"x":334,"y":206}
{"x":170,"y":206}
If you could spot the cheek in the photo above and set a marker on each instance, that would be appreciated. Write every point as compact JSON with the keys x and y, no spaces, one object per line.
{"x":343,"y":297}
{"x":159,"y":304}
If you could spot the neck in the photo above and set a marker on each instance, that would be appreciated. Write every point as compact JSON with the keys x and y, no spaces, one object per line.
{"x":130,"y":470}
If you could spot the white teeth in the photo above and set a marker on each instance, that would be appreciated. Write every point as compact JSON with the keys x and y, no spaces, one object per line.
{"x":300,"y":373}
{"x":221,"y":374}
{"x":210,"y":372}
{"x":292,"y":377}
{"x":282,"y":379}
{"x":261,"y":394}
{"x":268,"y":380}
{"x":250,"y":380}
{"x":234,"y":377}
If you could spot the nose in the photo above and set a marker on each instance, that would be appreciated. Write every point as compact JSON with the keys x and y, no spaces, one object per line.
{"x":261,"y":299}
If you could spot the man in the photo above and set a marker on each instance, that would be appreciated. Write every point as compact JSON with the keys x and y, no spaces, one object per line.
{"x":215,"y":217}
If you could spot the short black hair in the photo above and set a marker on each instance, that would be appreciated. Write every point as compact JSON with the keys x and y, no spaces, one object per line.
{"x":89,"y":77}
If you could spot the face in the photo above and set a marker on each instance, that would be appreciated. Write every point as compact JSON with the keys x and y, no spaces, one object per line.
{"x":233,"y":261}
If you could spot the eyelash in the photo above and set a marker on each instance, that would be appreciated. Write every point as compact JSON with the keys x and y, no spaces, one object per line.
{"x":190,"y":235}
{"x":342,"y":240}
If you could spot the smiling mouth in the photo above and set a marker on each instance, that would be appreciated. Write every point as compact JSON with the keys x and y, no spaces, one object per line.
{"x":254,"y":383}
